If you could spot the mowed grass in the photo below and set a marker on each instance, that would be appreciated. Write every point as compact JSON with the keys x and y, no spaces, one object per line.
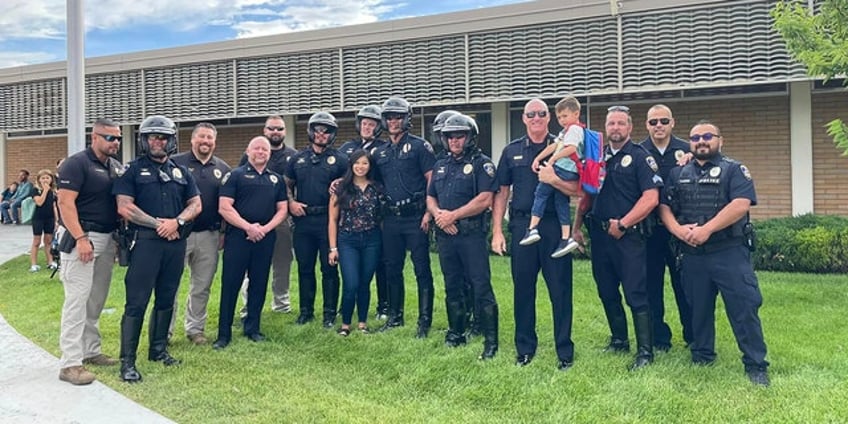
{"x":308,"y":374}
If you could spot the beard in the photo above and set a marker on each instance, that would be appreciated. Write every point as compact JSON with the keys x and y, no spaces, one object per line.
{"x":276,"y":141}
{"x":700,"y":154}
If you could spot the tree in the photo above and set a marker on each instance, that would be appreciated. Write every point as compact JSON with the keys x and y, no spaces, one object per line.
{"x":820,"y":41}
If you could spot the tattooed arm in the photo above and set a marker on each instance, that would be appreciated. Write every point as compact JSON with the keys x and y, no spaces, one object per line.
{"x":132,"y":213}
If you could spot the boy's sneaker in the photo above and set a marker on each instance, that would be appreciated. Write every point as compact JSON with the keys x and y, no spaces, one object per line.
{"x":532,"y":236}
{"x":34,"y":268}
{"x":565,"y":247}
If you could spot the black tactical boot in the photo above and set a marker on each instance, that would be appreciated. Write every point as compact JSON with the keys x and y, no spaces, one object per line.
{"x":456,"y":324}
{"x":617,"y":321}
{"x":425,"y":313}
{"x":158,"y":333}
{"x":130,"y":333}
{"x":489,"y":324}
{"x":644,"y":340}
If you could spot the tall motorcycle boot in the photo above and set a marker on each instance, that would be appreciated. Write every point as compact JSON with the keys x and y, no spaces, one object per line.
{"x":471,"y":313}
{"x":489,"y":318}
{"x":456,"y":324}
{"x":330,"y":290}
{"x":618,"y":328}
{"x":130,"y":333}
{"x":395,"y":318}
{"x":644,"y":340}
{"x":425,"y":313}
{"x":158,"y":333}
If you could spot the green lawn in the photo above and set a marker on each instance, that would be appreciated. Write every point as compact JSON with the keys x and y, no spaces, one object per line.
{"x":308,"y":374}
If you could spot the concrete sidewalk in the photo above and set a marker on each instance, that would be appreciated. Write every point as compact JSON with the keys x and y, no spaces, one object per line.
{"x":30,"y":390}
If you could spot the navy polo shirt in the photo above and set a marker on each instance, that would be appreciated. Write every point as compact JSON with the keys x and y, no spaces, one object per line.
{"x":357,"y":144}
{"x":402,"y":166}
{"x":92,"y":180}
{"x":456,"y":181}
{"x":631,"y":171}
{"x":208,"y":179}
{"x":255,"y":195}
{"x":279,"y":159}
{"x":312,"y":174}
{"x":667,"y":160}
{"x":514,"y":170}
{"x":161,"y":190}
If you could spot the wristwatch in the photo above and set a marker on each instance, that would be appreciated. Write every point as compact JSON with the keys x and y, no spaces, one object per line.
{"x":621,"y":227}
{"x":181,"y":222}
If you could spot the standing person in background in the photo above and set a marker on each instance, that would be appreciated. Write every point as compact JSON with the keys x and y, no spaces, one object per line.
{"x":44,"y":219}
{"x":206,"y":231}
{"x":355,"y":237}
{"x":88,"y":216}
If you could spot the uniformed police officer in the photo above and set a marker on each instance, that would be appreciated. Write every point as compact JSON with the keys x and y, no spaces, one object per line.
{"x":705,"y":206}
{"x":629,"y":194}
{"x":275,"y":132}
{"x":158,"y":198}
{"x":88,"y":216}
{"x":405,"y":164}
{"x":253,"y":202}
{"x":368,"y":127}
{"x":517,"y":180}
{"x":308,"y":176}
{"x":667,"y":150}
{"x":459,"y":196}
{"x":202,"y":244}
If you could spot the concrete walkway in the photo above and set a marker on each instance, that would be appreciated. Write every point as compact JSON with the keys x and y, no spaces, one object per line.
{"x":30,"y":390}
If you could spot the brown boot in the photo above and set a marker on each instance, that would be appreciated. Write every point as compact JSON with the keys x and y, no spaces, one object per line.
{"x":77,"y":375}
{"x":198,"y":339}
{"x":100,"y":360}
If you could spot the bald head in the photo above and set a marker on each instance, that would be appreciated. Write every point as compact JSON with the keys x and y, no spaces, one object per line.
{"x":258,"y":152}
{"x":536,"y":118}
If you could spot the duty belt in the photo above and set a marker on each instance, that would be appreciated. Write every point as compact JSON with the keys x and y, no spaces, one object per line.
{"x":605,"y":225}
{"x":708,"y":248}
{"x":467,"y":226}
{"x":316,"y":210}
{"x":406,"y":207}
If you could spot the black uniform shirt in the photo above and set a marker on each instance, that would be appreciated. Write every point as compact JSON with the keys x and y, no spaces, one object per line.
{"x":514,"y":169}
{"x":208,"y":178}
{"x":92,"y":180}
{"x":255,"y":195}
{"x":356,"y":144}
{"x":456,"y":181}
{"x":667,"y":160}
{"x":629,"y":173}
{"x":279,"y":159}
{"x":312,"y":174}
{"x":161,"y":190}
{"x":403,"y":165}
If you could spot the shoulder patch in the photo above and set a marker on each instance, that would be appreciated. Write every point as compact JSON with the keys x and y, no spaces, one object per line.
{"x":489,"y":167}
{"x":226,"y":177}
{"x":428,"y":146}
{"x":652,"y":163}
{"x":745,"y":172}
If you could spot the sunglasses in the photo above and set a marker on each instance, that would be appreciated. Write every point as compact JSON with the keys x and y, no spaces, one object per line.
{"x":111,"y":138}
{"x":653,"y":122}
{"x":532,"y":114}
{"x":320,"y":129}
{"x":162,"y":137}
{"x":705,"y":136}
{"x":624,"y":109}
{"x":275,"y":128}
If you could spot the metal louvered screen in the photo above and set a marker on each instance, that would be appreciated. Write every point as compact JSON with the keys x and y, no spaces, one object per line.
{"x":548,"y":61}
{"x":295,"y":83}
{"x":202,"y":90}
{"x":115,"y":96}
{"x":727,"y":44}
{"x":423,"y":72}
{"x":33,"y":105}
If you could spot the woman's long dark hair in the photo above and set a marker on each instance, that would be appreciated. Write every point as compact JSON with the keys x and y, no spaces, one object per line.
{"x":346,"y":190}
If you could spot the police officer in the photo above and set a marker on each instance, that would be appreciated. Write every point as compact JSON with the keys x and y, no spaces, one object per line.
{"x":517,"y":180}
{"x":275,"y":132}
{"x":705,"y":206}
{"x":459,"y":196}
{"x":253,"y":202}
{"x":666,"y":150}
{"x":406,"y":163}
{"x":158,"y":198}
{"x":629,"y":194}
{"x":368,"y":127}
{"x":88,"y":215}
{"x":202,"y":244}
{"x":308,"y":176}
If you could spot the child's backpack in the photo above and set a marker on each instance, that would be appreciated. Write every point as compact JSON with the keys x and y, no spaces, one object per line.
{"x":593,"y":168}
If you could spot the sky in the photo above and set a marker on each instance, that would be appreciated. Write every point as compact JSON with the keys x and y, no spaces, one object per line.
{"x":33,"y":31}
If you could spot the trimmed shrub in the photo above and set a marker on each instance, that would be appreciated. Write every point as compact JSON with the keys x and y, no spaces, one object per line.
{"x":805,"y":243}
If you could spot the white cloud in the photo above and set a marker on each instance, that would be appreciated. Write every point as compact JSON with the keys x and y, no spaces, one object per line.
{"x":10,"y":59}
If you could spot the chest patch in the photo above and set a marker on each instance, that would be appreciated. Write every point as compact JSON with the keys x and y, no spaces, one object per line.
{"x":626,"y":161}
{"x":467,"y":169}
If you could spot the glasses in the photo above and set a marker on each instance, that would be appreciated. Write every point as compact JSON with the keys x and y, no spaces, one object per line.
{"x":110,"y":138}
{"x":705,"y":136}
{"x":275,"y":128}
{"x":455,"y":135}
{"x":624,"y":109}
{"x":320,"y":129}
{"x":533,"y":113}
{"x":653,"y":122}
{"x":162,"y":137}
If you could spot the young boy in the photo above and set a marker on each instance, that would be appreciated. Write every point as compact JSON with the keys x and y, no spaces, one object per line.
{"x":569,"y":141}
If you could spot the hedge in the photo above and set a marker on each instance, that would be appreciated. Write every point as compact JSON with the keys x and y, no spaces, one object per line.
{"x":804,"y":243}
